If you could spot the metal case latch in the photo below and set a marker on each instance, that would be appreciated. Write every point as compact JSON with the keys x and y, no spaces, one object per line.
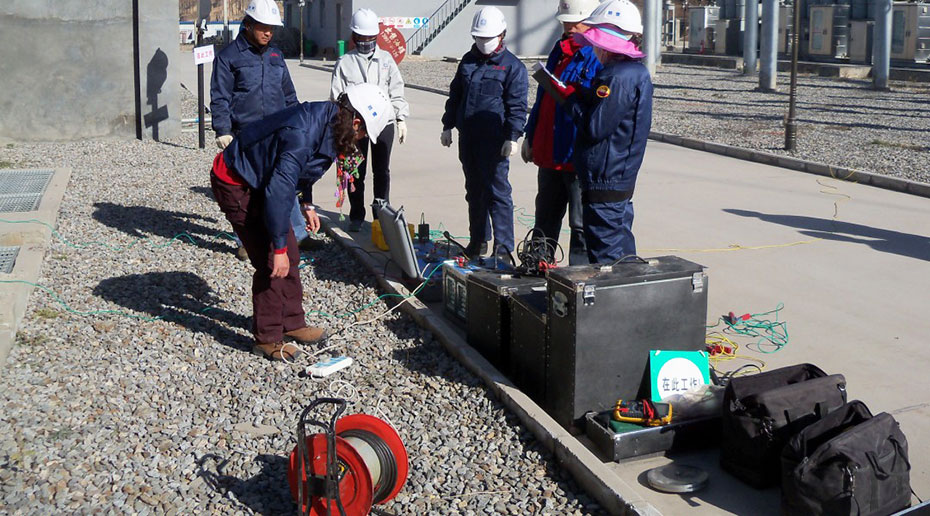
{"x":588,"y":295}
{"x":697,"y":282}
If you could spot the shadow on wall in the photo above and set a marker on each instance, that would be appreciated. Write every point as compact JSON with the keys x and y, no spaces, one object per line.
{"x":884,"y":240}
{"x":156,"y":74}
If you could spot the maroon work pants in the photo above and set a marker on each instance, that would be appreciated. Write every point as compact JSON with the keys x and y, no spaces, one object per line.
{"x":277,"y":303}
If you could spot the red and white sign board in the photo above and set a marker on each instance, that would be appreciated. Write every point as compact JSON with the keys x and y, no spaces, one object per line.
{"x":203,"y":55}
{"x":392,"y":41}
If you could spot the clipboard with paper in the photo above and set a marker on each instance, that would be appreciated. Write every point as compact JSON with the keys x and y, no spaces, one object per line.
{"x":550,"y":83}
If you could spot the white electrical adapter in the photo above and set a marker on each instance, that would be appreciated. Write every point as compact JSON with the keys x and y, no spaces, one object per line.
{"x":328,"y":367}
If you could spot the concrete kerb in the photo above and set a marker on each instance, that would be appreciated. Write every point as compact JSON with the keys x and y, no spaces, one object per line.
{"x":811,"y":167}
{"x":33,"y":241}
{"x":592,"y":475}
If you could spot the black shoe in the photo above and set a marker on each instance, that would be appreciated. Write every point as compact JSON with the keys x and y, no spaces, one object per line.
{"x":476,"y":250}
{"x":355,"y":226}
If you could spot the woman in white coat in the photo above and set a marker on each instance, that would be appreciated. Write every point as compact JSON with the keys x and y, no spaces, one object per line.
{"x":367,"y":63}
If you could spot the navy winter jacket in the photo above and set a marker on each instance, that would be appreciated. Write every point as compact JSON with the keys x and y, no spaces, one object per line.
{"x":290,"y":148}
{"x":248,"y":85}
{"x":488,"y":96}
{"x":582,"y":69}
{"x":613,"y":118}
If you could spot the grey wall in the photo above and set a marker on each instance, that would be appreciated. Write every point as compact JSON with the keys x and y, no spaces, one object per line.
{"x":160,"y":66}
{"x":67,"y":68}
{"x":532,"y":28}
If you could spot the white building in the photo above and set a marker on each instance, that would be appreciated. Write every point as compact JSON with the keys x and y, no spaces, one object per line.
{"x":532,"y":28}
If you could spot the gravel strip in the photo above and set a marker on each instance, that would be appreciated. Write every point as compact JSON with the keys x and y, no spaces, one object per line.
{"x":119,"y":413}
{"x":841,"y":122}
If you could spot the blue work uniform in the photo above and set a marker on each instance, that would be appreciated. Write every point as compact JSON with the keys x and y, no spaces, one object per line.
{"x":248,"y":84}
{"x":487,"y":104}
{"x":613,"y":118}
{"x":289,"y":150}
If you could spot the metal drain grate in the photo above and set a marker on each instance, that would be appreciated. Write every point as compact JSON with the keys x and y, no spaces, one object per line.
{"x":22,"y":190}
{"x":8,"y":259}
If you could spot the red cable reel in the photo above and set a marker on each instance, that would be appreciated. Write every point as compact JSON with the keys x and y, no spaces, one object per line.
{"x":358,"y":461}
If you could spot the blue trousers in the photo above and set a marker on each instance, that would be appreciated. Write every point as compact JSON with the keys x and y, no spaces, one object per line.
{"x":298,"y":222}
{"x":608,"y":229}
{"x":487,"y":191}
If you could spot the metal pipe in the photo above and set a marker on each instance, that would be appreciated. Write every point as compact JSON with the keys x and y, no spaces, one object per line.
{"x":650,"y":36}
{"x":768,"y":54}
{"x":200,"y":111}
{"x":881,"y":44}
{"x":750,"y":36}
{"x":301,"y":5}
{"x":791,"y":125}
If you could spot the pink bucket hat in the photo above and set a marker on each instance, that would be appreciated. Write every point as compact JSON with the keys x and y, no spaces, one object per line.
{"x":607,"y":37}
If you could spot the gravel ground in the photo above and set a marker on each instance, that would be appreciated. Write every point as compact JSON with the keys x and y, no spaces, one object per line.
{"x":840,"y":122}
{"x":119,"y":413}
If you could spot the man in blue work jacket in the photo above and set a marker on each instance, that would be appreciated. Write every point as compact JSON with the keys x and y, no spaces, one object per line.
{"x":254,"y":181}
{"x":250,"y":82}
{"x":487,"y":104}
{"x":613,"y":119}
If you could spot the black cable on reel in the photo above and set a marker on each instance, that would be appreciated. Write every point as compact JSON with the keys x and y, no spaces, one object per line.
{"x":385,"y":457}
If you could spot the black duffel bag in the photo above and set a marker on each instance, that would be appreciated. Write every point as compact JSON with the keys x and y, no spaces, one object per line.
{"x":848,"y":463}
{"x":761,"y":412}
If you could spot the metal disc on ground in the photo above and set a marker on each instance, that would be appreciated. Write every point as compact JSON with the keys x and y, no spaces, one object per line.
{"x":677,"y":478}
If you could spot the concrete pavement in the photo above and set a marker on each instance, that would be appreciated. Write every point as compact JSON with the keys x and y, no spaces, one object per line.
{"x":850,"y":263}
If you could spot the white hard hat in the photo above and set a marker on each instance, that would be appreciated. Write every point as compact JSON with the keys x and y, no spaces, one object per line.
{"x":373,"y":105}
{"x":488,"y":23}
{"x":365,"y":23}
{"x":571,"y":11}
{"x":264,"y":11}
{"x":622,"y":14}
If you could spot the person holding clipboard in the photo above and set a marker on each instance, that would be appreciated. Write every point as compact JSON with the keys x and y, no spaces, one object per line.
{"x":613,"y":118}
{"x":550,"y":133}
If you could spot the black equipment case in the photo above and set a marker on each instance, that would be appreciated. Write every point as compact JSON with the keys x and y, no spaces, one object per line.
{"x":762,"y":411}
{"x":488,"y":315}
{"x":528,"y":350}
{"x":603,"y":320}
{"x":847,"y":463}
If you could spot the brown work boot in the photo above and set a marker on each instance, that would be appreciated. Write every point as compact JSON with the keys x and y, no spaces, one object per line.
{"x":307,"y":334}
{"x":276,"y":351}
{"x":242,"y":254}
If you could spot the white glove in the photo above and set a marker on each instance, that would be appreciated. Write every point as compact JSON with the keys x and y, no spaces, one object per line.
{"x":509,"y":149}
{"x":223,"y":141}
{"x":446,"y":138}
{"x":401,"y":131}
{"x":526,"y":151}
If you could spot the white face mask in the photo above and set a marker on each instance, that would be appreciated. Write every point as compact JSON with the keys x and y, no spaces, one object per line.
{"x":487,"y":46}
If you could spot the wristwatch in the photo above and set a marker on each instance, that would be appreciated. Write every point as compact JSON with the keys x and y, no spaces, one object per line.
{"x":307,"y":207}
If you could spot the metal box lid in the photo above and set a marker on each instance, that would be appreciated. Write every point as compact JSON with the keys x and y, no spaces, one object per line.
{"x":627,"y":272}
{"x":504,"y":282}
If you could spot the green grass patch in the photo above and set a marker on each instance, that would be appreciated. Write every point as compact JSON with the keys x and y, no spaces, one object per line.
{"x":897,"y":145}
{"x":7,"y":164}
{"x":47,"y":313}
